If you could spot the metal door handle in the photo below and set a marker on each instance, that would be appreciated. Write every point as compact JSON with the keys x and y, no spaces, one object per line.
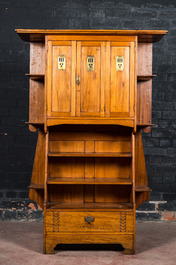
{"x":77,"y":80}
{"x":89,"y":219}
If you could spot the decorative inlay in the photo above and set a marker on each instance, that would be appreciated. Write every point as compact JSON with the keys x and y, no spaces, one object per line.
{"x":123,"y":222}
{"x":55,"y":221}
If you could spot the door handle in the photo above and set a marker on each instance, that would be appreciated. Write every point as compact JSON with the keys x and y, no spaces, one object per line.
{"x":89,"y":219}
{"x":77,"y":80}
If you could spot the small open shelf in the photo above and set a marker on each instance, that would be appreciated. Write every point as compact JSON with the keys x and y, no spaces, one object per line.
{"x":39,"y":77}
{"x":36,"y":186}
{"x":115,"y":154}
{"x":142,"y":188}
{"x":82,"y":206}
{"x":97,"y":181}
{"x":146,"y":125}
{"x":145,"y":77}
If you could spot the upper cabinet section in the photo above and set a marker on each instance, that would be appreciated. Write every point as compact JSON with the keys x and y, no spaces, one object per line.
{"x":90,"y":79}
{"x":90,"y":76}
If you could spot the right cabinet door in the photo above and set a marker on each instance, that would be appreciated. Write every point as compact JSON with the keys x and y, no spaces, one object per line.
{"x":120,"y":80}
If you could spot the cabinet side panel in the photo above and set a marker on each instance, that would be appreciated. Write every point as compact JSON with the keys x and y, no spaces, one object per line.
{"x":144,"y":88}
{"x":39,"y":160}
{"x":144,"y":101}
{"x":38,"y":170}
{"x":37,"y":58}
{"x":36,"y":88}
{"x":36,"y":102}
{"x":144,"y":59}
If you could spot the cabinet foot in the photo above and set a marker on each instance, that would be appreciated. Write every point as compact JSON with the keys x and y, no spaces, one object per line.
{"x":49,"y":248}
{"x":128,"y":251}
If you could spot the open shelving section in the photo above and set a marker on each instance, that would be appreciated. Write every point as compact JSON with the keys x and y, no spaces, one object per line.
{"x":90,"y":169}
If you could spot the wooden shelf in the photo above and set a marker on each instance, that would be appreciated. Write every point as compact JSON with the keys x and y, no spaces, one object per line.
{"x":36,"y":186}
{"x":142,"y":188}
{"x":145,"y":77}
{"x":34,"y":123}
{"x":39,"y":77}
{"x":52,"y":154}
{"x":97,"y":181}
{"x":85,"y":206}
{"x":146,"y":125}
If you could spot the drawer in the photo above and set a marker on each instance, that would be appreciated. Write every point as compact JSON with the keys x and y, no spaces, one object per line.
{"x":121,"y":222}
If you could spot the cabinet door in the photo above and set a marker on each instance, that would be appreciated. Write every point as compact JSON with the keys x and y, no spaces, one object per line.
{"x":120,"y":81}
{"x":91,"y":78}
{"x":61,"y":66}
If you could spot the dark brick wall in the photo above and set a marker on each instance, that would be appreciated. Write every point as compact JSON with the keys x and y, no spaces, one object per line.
{"x":18,"y":144}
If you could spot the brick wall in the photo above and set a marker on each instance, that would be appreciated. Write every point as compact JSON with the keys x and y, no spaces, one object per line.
{"x":18,"y":144}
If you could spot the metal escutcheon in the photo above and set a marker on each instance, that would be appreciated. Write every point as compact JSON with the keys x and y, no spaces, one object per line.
{"x":89,"y":219}
{"x":77,"y":80}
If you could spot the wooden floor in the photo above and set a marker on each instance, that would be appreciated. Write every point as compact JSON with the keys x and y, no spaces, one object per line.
{"x":21,"y":243}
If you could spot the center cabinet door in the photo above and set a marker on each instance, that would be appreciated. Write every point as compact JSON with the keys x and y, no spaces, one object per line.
{"x":90,"y":79}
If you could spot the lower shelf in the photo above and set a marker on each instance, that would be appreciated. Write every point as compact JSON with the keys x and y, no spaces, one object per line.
{"x":142,"y":188}
{"x":97,"y":205}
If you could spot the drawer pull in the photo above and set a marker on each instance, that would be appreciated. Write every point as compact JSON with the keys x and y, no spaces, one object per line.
{"x":89,"y":219}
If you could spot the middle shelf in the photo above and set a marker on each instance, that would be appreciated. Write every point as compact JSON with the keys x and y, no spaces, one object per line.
{"x":113,"y":154}
{"x":91,"y":181}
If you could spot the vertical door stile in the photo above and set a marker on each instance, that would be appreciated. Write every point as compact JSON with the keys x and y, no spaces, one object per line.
{"x":73,"y":92}
{"x":78,"y":73}
{"x":107,"y":82}
{"x":135,"y":83}
{"x":49,"y":79}
{"x":103,"y":79}
{"x":132,"y":80}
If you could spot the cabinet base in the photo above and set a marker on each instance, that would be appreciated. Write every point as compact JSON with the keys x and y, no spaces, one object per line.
{"x":126,"y":240}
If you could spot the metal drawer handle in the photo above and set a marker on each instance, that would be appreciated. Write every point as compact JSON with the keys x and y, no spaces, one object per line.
{"x":89,"y":219}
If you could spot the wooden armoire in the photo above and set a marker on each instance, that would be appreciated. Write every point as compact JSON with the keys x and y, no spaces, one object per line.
{"x":90,"y":96}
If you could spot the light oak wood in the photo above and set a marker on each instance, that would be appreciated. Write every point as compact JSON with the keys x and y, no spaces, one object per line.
{"x":101,"y":222}
{"x":92,"y":181}
{"x":36,"y":35}
{"x":113,"y":154}
{"x":89,"y":172}
{"x":98,"y":206}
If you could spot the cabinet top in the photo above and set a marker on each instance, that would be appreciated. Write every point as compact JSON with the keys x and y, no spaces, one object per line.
{"x":38,"y":35}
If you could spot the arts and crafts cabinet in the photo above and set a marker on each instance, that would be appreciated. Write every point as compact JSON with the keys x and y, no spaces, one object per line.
{"x":90,"y":96}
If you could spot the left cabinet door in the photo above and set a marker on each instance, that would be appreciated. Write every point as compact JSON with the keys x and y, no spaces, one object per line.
{"x":60,"y":80}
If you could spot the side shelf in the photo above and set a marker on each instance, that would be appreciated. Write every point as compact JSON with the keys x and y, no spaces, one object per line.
{"x":37,"y":77}
{"x":145,"y":77}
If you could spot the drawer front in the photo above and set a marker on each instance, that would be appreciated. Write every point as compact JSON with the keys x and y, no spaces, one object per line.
{"x":121,"y":222}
